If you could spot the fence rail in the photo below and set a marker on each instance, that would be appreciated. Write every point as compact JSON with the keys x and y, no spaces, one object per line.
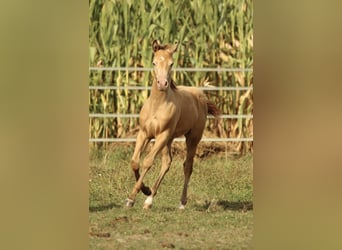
{"x":210,"y":88}
{"x":174,"y":69}
{"x":177,"y":139}
{"x":137,"y":116}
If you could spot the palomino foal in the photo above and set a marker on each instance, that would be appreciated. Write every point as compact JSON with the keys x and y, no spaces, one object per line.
{"x":170,"y":111}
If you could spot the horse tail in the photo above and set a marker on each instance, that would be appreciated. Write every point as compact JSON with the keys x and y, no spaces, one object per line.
{"x":212,"y":109}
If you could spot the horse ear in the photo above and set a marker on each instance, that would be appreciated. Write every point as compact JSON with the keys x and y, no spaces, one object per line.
{"x":172,"y":48}
{"x":155,"y":45}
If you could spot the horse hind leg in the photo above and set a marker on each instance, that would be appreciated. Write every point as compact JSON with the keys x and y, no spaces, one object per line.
{"x":191,"y":145}
{"x":166,"y":162}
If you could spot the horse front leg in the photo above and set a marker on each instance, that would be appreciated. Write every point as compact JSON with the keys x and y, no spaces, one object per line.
{"x":191,"y":145}
{"x":146,"y":165}
{"x":166,"y":162}
{"x":140,"y":146}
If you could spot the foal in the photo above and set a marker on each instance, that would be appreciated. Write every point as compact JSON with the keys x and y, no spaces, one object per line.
{"x":169,"y":112}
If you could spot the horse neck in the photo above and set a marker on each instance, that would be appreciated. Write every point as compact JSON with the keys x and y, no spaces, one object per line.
{"x":159,"y":98}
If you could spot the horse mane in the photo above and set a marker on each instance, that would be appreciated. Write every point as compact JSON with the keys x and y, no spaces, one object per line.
{"x":173,"y":84}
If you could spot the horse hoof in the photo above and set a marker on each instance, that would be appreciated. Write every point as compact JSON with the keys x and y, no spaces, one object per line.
{"x":129,"y":203}
{"x":181,"y":207}
{"x":147,"y":206}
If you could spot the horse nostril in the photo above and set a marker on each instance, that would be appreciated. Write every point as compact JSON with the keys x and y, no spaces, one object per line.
{"x":166,"y":83}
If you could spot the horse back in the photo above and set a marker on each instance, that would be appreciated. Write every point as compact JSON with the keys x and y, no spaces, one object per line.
{"x":194,"y":97}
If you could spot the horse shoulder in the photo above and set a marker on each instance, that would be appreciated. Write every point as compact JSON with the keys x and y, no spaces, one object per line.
{"x":145,"y":112}
{"x":169,"y":111}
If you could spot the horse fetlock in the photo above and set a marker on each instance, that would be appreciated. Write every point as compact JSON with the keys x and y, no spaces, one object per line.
{"x":146,"y":190}
{"x":183,"y":201}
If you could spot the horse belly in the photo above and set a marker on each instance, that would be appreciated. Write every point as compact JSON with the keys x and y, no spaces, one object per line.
{"x":193,"y":116}
{"x":186,"y":122}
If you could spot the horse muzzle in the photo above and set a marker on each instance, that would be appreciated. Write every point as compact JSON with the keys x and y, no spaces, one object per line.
{"x":162,"y":85}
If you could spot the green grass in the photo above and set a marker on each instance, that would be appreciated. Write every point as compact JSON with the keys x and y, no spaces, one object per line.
{"x":219,"y":213}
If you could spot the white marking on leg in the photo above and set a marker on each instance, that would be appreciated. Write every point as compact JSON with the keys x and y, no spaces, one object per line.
{"x":181,"y":206}
{"x":149,"y":200}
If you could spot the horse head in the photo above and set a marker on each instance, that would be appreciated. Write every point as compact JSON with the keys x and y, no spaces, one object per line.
{"x":162,"y":64}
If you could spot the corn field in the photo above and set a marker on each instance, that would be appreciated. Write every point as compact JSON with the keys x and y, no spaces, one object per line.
{"x":211,"y":33}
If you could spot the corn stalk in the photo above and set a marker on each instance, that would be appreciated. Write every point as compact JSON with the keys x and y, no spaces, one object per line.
{"x":212,"y":33}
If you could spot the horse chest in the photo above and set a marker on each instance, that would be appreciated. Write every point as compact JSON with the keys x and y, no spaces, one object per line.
{"x":154,"y":125}
{"x":156,"y":121}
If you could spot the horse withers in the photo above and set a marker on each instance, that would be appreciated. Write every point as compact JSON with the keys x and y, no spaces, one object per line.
{"x":169,"y":112}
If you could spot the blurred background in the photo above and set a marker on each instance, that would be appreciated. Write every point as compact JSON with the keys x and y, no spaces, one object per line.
{"x":212,"y":34}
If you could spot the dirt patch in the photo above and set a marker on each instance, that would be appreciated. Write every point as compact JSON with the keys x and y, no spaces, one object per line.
{"x":100,"y":234}
{"x":118,"y":220}
{"x":167,"y":245}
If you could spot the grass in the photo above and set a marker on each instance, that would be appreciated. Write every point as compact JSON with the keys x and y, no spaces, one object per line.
{"x":219,"y":213}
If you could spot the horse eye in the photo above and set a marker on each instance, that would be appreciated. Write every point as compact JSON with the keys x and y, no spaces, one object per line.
{"x":154,"y":64}
{"x":171,"y":64}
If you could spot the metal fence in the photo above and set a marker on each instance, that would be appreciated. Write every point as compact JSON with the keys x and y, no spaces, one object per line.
{"x":208,"y":88}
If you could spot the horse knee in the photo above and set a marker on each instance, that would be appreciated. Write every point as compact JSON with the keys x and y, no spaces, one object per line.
{"x":134,"y":165}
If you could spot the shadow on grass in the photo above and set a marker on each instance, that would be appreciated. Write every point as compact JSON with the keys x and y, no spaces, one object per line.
{"x":227,"y":205}
{"x":103,"y":207}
